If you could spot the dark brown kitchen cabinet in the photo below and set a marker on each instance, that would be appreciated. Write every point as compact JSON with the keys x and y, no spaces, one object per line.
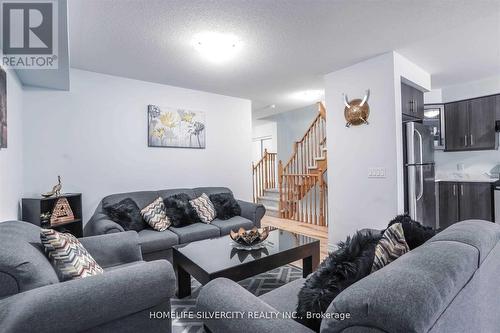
{"x":470,"y":124}
{"x":448,"y":204}
{"x":456,"y":125}
{"x":475,"y":201}
{"x":412,"y":102}
{"x":464,"y":201}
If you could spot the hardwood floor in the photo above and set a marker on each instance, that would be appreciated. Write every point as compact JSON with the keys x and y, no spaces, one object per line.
{"x":313,"y":231}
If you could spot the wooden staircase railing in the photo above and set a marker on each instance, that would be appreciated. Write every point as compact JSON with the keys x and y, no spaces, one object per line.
{"x":264,"y":174}
{"x":309,"y":147}
{"x":301,"y":185}
{"x":303,"y":197}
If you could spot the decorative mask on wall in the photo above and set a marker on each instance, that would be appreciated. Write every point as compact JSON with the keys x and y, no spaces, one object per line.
{"x":357,"y":111}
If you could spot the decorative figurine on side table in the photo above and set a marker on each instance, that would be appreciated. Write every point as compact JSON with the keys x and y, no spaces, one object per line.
{"x":56,"y":190}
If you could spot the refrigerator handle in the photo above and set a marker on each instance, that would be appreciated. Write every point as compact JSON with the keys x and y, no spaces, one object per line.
{"x":419,"y":196}
{"x":421,"y":146}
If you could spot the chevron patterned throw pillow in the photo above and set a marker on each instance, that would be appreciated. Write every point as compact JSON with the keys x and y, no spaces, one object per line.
{"x":68,"y":256}
{"x":204,"y":208}
{"x":392,"y":246}
{"x":155,"y":215}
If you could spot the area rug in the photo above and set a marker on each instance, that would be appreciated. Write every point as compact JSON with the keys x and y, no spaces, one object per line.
{"x":257,"y":285}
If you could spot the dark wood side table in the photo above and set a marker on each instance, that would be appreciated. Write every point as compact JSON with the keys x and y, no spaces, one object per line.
{"x":209,"y":259}
{"x":33,"y":207}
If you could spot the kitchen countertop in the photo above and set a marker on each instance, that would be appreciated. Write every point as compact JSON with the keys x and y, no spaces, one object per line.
{"x":465,"y":177}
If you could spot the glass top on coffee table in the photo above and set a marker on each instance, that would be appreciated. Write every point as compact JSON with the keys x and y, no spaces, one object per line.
{"x":208,"y":259}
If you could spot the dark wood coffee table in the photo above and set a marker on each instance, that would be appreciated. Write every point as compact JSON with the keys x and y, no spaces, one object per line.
{"x":209,"y":259}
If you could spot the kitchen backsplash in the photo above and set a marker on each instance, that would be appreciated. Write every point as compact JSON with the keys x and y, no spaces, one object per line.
{"x":474,"y":162}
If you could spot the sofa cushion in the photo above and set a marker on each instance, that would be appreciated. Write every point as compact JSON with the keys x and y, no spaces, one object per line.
{"x":68,"y":256}
{"x":154,"y":214}
{"x":196,"y":231}
{"x":233,"y":223}
{"x":23,"y":264}
{"x":118,"y":267}
{"x":413,"y":291}
{"x":179,"y":210}
{"x":141,"y":198}
{"x":284,"y":298}
{"x":351,"y":262}
{"x":187,"y":191}
{"x":204,"y":208}
{"x":152,"y":241}
{"x":225,"y":205}
{"x":392,"y":246}
{"x":126,"y":213}
{"x":482,"y":235}
{"x":415,"y":233}
{"x":210,"y":190}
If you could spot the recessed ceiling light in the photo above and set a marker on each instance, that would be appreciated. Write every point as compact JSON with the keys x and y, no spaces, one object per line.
{"x":308,"y":95}
{"x":215,"y":46}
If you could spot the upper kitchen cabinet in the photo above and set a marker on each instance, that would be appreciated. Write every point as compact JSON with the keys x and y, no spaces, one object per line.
{"x":412,"y":102}
{"x":470,"y":124}
{"x":456,"y":121}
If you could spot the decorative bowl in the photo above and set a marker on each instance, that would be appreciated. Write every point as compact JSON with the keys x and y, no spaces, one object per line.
{"x":249,"y":238}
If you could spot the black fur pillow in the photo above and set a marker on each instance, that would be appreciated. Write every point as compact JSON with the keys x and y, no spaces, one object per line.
{"x":225,"y":205}
{"x":415,"y":233}
{"x":179,"y":210}
{"x":126,"y":213}
{"x":351,"y":262}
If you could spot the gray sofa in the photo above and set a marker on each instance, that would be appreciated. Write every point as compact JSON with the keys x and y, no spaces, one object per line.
{"x":120,"y":300}
{"x":158,"y":245}
{"x":449,"y":284}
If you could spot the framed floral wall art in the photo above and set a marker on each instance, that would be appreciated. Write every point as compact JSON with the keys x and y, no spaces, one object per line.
{"x":174,"y":127}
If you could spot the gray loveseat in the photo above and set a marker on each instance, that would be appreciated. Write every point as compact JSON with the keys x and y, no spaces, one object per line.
{"x":449,"y":284}
{"x":158,"y":245}
{"x":120,"y":300}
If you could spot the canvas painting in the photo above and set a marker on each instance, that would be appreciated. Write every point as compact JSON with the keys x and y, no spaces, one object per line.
{"x":3,"y":108}
{"x":172,"y":127}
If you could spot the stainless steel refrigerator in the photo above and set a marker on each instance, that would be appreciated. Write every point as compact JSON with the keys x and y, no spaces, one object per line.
{"x":420,"y":174}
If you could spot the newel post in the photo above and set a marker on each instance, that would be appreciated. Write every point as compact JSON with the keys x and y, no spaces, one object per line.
{"x":280,"y":187}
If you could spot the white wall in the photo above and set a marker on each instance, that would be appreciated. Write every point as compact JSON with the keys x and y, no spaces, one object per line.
{"x":263,"y":129}
{"x":435,"y":96}
{"x":356,"y":201}
{"x":11,"y":158}
{"x":95,"y":137}
{"x":483,"y":87}
{"x":291,"y":127}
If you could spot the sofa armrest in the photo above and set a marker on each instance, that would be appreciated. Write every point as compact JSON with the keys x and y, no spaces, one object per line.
{"x":114,"y":249}
{"x":78,"y":305}
{"x":224,"y":295}
{"x":253,"y":212}
{"x":100,"y":224}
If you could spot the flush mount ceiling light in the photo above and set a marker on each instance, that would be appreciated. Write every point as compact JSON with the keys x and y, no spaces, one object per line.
{"x":309,"y":95}
{"x":216,"y":47}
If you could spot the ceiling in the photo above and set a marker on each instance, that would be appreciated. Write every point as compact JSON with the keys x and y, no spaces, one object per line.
{"x":288,"y":45}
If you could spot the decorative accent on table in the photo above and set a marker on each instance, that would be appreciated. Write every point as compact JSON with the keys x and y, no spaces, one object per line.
{"x":56,"y":190}
{"x":3,"y":108}
{"x":249,"y":239}
{"x":45,"y":219}
{"x":254,"y":254}
{"x":356,"y":111}
{"x":62,"y":212}
{"x":170,"y":127}
{"x":39,"y":210}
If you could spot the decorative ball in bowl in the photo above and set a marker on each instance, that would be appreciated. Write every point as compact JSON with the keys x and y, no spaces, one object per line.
{"x":249,"y":239}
